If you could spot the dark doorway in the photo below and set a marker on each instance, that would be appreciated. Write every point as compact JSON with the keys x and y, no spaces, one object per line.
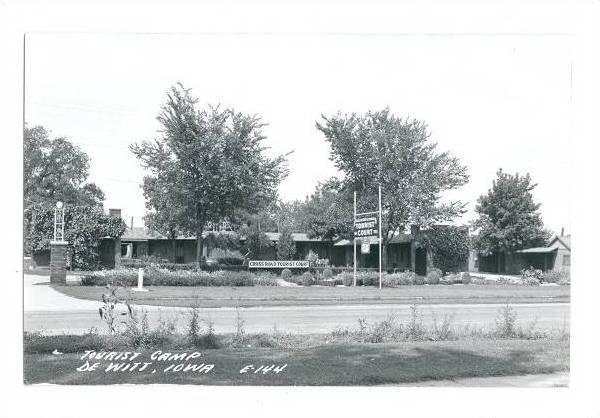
{"x":421,"y":261}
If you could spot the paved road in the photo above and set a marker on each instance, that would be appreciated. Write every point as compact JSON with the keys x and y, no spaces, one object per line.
{"x":305,"y":319}
{"x":53,"y":312}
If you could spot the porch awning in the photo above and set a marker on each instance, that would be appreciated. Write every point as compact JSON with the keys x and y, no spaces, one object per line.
{"x":544,"y":250}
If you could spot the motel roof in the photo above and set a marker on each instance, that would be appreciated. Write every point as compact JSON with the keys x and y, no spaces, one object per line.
{"x":556,"y":242}
{"x":143,"y":234}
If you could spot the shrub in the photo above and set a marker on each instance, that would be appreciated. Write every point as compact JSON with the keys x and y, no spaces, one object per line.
{"x":399,"y":279}
{"x":286,"y":274}
{"x":227,"y":257}
{"x":419,"y":280}
{"x":465,"y":278}
{"x":307,"y":279}
{"x":327,"y":273}
{"x":433,"y":276}
{"x":154,"y":276}
{"x":347,"y":279}
{"x":367,"y":278}
{"x":449,"y":246}
{"x":556,"y":276}
{"x":531,"y":276}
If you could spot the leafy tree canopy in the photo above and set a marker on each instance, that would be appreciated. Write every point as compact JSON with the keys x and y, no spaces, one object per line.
{"x":328,"y":212}
{"x":508,"y":218}
{"x":379,"y":148}
{"x":208,"y":163}
{"x":449,"y":246}
{"x":56,"y":170}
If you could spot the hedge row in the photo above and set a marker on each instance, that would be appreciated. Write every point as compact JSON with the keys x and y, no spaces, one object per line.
{"x":154,"y":276}
{"x":164,"y":277}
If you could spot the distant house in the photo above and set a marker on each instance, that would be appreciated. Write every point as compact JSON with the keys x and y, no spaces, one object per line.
{"x":556,"y":256}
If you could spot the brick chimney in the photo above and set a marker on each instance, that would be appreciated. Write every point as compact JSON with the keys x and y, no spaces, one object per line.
{"x":116,"y":213}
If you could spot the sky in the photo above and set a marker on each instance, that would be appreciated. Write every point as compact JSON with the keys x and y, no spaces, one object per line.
{"x":493,"y":101}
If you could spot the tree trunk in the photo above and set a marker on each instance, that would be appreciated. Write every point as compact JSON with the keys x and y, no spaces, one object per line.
{"x":384,"y":253}
{"x":174,"y":246}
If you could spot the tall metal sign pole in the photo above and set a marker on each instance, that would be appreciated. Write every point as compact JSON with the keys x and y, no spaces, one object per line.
{"x":354,"y":241}
{"x":380,"y":236}
{"x":367,"y":227}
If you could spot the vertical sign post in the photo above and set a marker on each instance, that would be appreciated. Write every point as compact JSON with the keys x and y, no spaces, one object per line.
{"x":367,"y":227}
{"x":380,"y":236}
{"x":354,"y":241}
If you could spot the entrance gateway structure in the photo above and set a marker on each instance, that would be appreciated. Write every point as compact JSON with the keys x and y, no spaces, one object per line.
{"x":58,"y":247}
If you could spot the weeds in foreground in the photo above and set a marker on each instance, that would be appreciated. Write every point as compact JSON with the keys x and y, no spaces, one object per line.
{"x":506,"y":321}
{"x":196,"y":337}
{"x":139,"y":334}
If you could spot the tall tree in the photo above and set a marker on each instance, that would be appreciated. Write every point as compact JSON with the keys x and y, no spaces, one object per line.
{"x":162,"y":215}
{"x":508,"y":218}
{"x":209,"y":162}
{"x":53,"y":170}
{"x":378,"y":148}
{"x":56,"y":170}
{"x":286,"y":248}
{"x":327,"y":212}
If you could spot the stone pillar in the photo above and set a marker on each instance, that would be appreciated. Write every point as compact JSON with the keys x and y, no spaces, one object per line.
{"x":58,"y":262}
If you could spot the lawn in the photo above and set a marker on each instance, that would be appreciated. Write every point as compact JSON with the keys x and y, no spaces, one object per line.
{"x":333,"y":364}
{"x":246,"y":296}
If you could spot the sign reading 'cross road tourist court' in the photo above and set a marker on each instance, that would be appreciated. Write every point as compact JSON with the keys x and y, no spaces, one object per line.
{"x":278,"y":264}
{"x":366,"y":227}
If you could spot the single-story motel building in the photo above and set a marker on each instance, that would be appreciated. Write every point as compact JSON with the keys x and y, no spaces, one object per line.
{"x":403,"y":251}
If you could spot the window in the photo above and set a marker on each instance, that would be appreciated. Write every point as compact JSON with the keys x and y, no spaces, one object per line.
{"x":566,"y":260}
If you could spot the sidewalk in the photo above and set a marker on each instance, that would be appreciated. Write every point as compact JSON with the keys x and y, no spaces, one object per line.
{"x":39,"y":296}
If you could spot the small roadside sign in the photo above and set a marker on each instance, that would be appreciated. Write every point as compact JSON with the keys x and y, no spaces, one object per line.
{"x":365,"y":246}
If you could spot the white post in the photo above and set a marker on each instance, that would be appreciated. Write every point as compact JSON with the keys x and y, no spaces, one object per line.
{"x":380,"y":255}
{"x":354,"y":239}
{"x":140,"y":285}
